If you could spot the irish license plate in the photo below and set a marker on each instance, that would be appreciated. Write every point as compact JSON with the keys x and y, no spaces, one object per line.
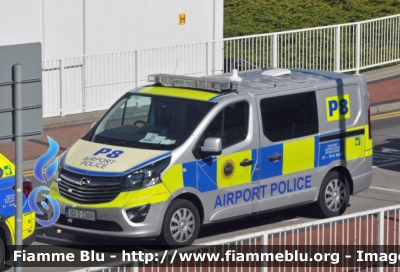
{"x":80,"y":214}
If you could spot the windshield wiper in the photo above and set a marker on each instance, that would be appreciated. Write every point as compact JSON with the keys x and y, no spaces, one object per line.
{"x":148,"y":146}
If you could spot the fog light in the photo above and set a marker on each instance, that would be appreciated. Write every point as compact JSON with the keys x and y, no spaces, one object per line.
{"x":132,"y":215}
{"x":138,"y":214}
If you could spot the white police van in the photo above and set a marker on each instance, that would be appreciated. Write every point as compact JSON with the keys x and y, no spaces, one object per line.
{"x":186,"y":151}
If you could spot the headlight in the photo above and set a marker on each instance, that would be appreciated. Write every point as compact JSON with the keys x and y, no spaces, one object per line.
{"x":146,"y":176}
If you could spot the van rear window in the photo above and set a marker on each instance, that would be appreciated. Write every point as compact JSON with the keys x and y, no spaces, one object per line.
{"x":290,"y":116}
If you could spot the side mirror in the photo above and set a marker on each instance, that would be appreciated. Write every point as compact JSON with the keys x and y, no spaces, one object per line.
{"x":93,"y":124}
{"x":212,"y":146}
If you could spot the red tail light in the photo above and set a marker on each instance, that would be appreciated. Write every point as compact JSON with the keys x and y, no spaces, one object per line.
{"x":369,"y":124}
{"x":27,"y":187}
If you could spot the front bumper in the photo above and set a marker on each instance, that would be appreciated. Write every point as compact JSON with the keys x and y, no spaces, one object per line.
{"x":113,"y":222}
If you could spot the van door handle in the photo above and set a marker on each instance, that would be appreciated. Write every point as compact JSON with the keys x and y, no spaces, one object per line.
{"x":275,"y":157}
{"x":246,"y":162}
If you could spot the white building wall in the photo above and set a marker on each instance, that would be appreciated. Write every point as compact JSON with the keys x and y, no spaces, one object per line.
{"x":69,"y":28}
{"x":62,"y":28}
{"x":20,"y":21}
{"x":81,"y":72}
{"x":123,"y":25}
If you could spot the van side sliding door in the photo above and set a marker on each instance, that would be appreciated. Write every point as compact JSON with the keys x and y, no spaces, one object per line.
{"x":289,"y":137}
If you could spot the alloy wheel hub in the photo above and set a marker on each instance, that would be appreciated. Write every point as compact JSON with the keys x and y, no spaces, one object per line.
{"x":182,"y":225}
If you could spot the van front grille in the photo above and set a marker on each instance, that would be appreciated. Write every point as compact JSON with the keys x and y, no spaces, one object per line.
{"x":88,"y":189}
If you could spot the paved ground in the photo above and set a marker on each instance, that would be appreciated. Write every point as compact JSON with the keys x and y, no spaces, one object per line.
{"x":384,"y":90}
{"x":64,"y":136}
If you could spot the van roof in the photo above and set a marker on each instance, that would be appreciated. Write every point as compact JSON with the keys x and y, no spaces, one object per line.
{"x":268,"y":79}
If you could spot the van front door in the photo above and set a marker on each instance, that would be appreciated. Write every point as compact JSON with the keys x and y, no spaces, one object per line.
{"x":228,"y":183}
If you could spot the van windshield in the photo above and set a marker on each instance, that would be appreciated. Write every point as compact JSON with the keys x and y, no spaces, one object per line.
{"x":151,"y":121}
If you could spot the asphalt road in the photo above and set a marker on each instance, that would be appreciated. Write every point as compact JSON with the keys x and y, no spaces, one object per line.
{"x":384,"y":191}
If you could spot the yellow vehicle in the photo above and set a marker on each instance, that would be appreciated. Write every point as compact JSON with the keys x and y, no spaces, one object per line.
{"x":7,"y":211}
{"x":187,"y":151}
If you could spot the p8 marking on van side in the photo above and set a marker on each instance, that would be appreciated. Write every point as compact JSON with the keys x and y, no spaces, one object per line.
{"x":185,"y":151}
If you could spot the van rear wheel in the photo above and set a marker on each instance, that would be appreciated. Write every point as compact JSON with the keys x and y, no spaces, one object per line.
{"x":181,"y":224}
{"x":334,"y":195}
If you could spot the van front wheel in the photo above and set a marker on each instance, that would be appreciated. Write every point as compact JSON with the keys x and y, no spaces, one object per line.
{"x":181,"y":224}
{"x":334,"y":195}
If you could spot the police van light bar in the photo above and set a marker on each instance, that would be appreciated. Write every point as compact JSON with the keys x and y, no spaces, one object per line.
{"x":214,"y":84}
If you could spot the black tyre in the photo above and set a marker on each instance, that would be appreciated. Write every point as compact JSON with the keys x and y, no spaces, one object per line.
{"x":2,"y":255}
{"x":334,"y":195}
{"x":181,"y":224}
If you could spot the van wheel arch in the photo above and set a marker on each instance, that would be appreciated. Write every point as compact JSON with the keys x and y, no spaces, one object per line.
{"x":196,"y":201}
{"x":181,"y":224}
{"x":343,"y":170}
{"x":334,"y":194}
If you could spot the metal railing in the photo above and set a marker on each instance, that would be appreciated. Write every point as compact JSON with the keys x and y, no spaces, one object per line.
{"x":90,"y":83}
{"x":375,"y":231}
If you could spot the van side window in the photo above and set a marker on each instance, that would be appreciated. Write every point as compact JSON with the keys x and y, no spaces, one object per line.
{"x":231,"y":124}
{"x":290,"y":116}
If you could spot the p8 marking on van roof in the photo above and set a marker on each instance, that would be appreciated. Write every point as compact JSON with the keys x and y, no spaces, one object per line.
{"x":186,"y":151}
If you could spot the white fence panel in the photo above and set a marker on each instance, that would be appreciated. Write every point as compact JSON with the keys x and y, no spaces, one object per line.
{"x":107,"y":77}
{"x":375,"y":231}
{"x":72,"y":86}
{"x":348,"y":47}
{"x":380,"y":41}
{"x":188,"y":60}
{"x":247,"y":53}
{"x":309,"y":49}
{"x":51,"y":78}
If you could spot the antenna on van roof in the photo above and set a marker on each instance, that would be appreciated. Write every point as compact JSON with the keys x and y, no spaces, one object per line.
{"x":234,"y":76}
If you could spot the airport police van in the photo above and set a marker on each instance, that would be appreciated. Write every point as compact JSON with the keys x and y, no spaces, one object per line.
{"x":186,"y":151}
{"x":7,"y":211}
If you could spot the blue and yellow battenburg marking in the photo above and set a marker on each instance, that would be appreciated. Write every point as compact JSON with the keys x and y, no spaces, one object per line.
{"x":7,"y":202}
{"x":7,"y":194}
{"x":7,"y":168}
{"x":298,"y":155}
{"x":349,"y":148}
{"x":221,"y":172}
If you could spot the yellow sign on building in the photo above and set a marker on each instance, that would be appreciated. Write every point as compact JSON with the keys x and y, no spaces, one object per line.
{"x":182,"y":18}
